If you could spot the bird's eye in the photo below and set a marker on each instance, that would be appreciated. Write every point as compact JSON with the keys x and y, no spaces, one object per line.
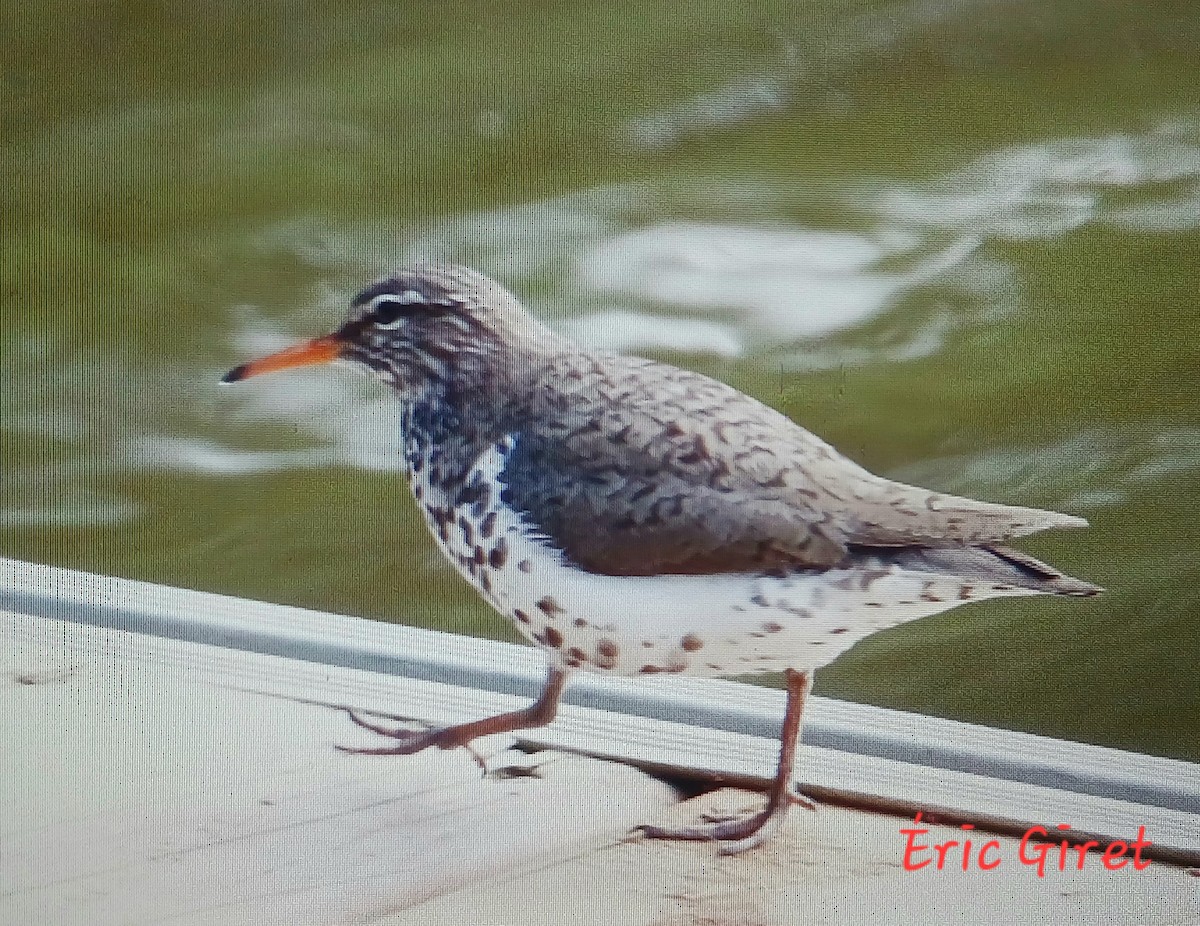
{"x":388,"y":313}
{"x":391,"y":311}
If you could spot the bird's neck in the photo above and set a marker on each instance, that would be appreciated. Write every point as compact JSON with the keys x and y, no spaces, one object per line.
{"x":455,"y":417}
{"x":453,"y":425}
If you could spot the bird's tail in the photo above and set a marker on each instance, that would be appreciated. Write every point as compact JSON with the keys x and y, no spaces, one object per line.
{"x":996,"y":564}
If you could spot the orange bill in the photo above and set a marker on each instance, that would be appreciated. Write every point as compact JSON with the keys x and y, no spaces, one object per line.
{"x":318,"y":350}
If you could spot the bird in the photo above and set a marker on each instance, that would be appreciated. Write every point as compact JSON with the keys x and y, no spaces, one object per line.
{"x":633,"y":518}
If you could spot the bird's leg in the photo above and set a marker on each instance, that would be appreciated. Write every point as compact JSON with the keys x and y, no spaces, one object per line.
{"x":742,"y":833}
{"x":537,"y":714}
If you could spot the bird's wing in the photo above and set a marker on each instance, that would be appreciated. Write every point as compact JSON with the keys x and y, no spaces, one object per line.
{"x":637,"y":467}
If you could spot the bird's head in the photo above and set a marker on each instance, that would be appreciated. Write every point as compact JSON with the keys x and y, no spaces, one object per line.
{"x":430,"y":325}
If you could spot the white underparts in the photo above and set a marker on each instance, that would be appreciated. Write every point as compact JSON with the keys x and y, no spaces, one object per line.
{"x":701,"y":625}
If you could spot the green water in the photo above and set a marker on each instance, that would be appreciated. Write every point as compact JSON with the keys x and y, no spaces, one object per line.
{"x":959,"y":240}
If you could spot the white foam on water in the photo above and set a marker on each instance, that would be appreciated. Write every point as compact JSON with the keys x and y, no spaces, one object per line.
{"x":739,"y":101}
{"x":595,"y":267}
{"x":783,"y":282}
{"x":343,"y":426}
{"x":588,"y":264}
{"x":196,"y":455}
{"x":1045,"y":190}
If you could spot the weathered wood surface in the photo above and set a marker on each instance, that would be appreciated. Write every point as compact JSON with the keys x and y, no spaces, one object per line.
{"x":151,"y":780}
{"x":134,"y":794}
{"x":834,"y":867}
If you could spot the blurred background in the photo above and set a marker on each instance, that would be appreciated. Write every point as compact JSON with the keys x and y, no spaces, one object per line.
{"x":957,"y":239}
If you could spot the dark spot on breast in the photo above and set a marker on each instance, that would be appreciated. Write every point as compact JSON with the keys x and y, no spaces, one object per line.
{"x":485,"y":580}
{"x":650,"y":670}
{"x":418,"y":491}
{"x":691,"y":643}
{"x":840,"y":630}
{"x":468,"y":532}
{"x":525,"y":566}
{"x":761,"y":601}
{"x":772,"y":627}
{"x":549,"y":607}
{"x":479,"y":558}
{"x":473,"y":493}
{"x":966,"y":592}
{"x":874,"y":604}
{"x":521,"y":615}
{"x":553,"y":637}
{"x":499,"y":555}
{"x":577,"y":654}
{"x":608,"y":649}
{"x":488,"y":527}
{"x":579,"y":622}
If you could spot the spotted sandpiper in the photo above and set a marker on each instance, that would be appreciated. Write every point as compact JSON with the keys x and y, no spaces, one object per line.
{"x":634,"y":518}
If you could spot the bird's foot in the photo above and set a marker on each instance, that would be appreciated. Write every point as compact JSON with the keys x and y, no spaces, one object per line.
{"x":735,"y":835}
{"x":736,"y":832}
{"x":412,"y":741}
{"x":396,"y":733}
{"x":724,"y":816}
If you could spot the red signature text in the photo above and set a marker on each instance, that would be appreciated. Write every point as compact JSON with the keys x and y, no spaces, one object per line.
{"x":1036,"y":850}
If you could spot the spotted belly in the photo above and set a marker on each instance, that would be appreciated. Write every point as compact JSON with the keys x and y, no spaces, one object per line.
{"x":712,"y":625}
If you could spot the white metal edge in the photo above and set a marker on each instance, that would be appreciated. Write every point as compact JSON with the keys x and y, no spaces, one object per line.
{"x":733,"y":707}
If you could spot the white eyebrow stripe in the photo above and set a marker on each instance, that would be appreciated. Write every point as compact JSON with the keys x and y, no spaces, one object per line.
{"x":410,"y":297}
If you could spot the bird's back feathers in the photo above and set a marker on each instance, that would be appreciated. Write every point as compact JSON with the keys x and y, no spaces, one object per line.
{"x":638,"y":467}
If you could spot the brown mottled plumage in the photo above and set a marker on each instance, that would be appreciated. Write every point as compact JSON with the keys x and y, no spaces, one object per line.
{"x":649,"y":469}
{"x":635,"y":518}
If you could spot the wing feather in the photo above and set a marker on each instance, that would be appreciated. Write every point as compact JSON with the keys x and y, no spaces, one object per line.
{"x":637,"y":467}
